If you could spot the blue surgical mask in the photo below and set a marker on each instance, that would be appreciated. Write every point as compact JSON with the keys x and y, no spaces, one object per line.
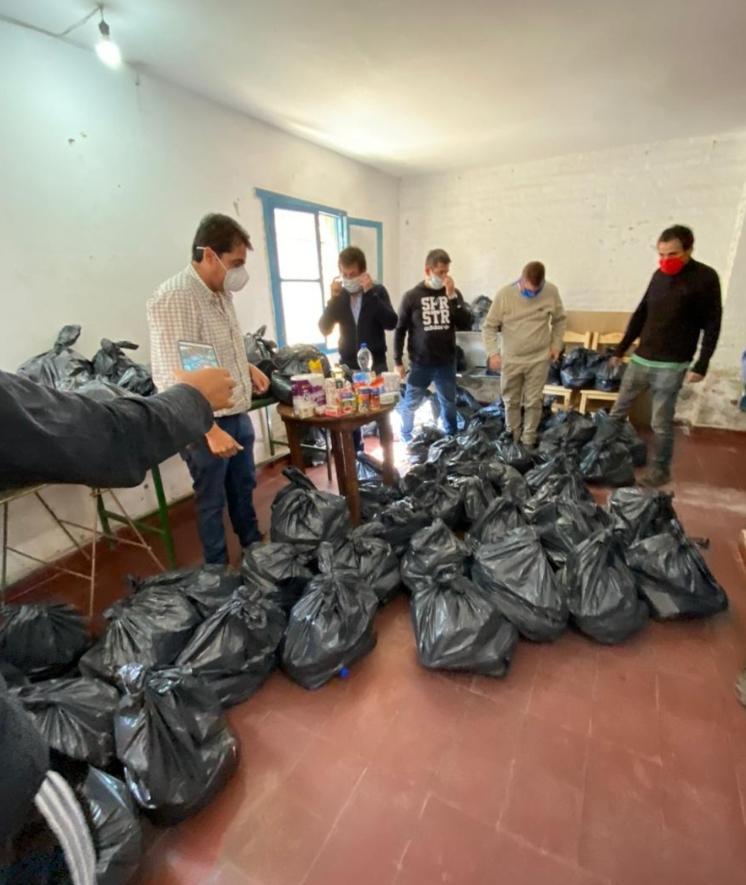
{"x":436,"y":282}
{"x":529,"y":293}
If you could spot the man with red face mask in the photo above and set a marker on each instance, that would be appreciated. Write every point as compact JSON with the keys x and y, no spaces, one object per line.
{"x":682,"y":304}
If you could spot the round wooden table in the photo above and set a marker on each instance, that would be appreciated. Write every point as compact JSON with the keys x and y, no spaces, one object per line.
{"x":343,"y":448}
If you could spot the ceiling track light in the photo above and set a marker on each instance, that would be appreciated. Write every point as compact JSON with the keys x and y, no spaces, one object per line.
{"x":106,"y":49}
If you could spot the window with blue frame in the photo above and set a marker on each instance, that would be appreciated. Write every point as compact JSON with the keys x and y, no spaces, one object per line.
{"x":303,"y":242}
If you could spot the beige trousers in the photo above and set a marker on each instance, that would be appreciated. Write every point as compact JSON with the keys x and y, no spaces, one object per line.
{"x":522,"y":385}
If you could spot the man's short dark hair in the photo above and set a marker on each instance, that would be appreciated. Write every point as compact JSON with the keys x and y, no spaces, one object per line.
{"x":436,"y":257}
{"x":680,"y":232}
{"x":353,"y":255}
{"x":221,"y":233}
{"x":534,"y":272}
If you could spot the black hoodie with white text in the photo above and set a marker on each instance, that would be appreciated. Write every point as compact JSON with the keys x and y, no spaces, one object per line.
{"x":431,"y":320}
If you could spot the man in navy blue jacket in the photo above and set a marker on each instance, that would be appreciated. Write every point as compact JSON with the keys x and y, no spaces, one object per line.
{"x":362,"y":309}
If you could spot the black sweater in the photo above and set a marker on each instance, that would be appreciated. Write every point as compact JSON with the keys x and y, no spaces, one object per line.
{"x":431,"y":320}
{"x":51,"y":436}
{"x":376,"y":316}
{"x":672,"y":314}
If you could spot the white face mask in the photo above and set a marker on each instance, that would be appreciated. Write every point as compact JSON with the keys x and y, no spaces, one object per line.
{"x":352,"y":286}
{"x":235,"y":278}
{"x":435,"y":282}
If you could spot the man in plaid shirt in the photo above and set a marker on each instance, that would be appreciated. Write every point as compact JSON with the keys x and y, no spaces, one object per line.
{"x":196,"y":306}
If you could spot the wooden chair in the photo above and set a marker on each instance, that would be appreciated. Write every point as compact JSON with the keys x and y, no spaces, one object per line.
{"x":582,"y":339}
{"x":593,"y":400}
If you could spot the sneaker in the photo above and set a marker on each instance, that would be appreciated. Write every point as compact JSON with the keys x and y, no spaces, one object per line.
{"x":655,"y":476}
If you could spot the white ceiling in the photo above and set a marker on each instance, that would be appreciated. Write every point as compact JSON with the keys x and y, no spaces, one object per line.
{"x":418,"y":85}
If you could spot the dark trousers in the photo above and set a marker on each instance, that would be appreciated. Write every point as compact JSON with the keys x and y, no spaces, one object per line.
{"x":664,"y":386}
{"x":443,"y":378}
{"x":221,"y":481}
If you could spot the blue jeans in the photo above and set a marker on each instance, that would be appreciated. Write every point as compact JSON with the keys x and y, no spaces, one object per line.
{"x":218,"y":481}
{"x":664,"y":386}
{"x":420,"y":378}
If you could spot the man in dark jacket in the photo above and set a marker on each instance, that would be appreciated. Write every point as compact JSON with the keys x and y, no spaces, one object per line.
{"x":362,"y":309}
{"x":53,"y":436}
{"x":682,"y":303}
{"x":430,"y":314}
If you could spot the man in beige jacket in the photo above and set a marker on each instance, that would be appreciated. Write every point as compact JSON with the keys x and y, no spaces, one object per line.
{"x":530,"y":318}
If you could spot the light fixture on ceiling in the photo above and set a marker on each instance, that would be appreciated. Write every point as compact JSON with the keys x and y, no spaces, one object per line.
{"x":106,"y":49}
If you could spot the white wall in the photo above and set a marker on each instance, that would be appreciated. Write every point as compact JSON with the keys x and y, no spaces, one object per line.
{"x":593,"y":219}
{"x":104,"y":176}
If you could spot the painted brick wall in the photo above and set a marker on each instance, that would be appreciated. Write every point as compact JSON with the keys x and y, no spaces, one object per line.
{"x":593,"y":219}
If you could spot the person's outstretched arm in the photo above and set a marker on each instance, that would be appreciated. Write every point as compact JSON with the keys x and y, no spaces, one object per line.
{"x":51,"y":436}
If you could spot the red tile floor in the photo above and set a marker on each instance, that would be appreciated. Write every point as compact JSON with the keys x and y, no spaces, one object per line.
{"x":586,"y":765}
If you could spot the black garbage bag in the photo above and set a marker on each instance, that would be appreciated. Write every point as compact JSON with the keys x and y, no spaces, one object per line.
{"x":601,"y":589}
{"x":373,"y":559}
{"x":440,"y":501}
{"x":370,"y":469}
{"x":280,"y":571}
{"x":114,"y":825}
{"x":641,"y":513}
{"x":514,"y":454}
{"x":304,"y":516}
{"x":235,"y":649}
{"x":561,"y":463}
{"x":260,"y":351}
{"x":75,"y":716}
{"x":12,"y":676}
{"x":281,"y":388}
{"x":516,"y":570}
{"x":562,"y":524}
{"x":560,"y":487}
{"x":502,"y":515}
{"x":207,"y":587}
{"x":476,"y":496}
{"x":434,"y":554}
{"x":505,"y":480}
{"x":42,"y":639}
{"x":100,"y":390}
{"x":399,"y":522}
{"x":374,"y":497}
{"x":62,"y":366}
{"x":313,"y":442}
{"x":422,"y":439}
{"x":673,"y":578}
{"x":473,"y":445}
{"x":611,"y":429}
{"x":113,"y":364}
{"x":554,"y":373}
{"x":330,"y":627}
{"x":173,"y":741}
{"x":578,"y":371}
{"x":608,"y":376}
{"x":149,"y":627}
{"x":428,"y":471}
{"x":458,"y":626}
{"x":570,"y":430}
{"x":609,"y":463}
{"x":443,"y":449}
{"x":466,"y":402}
{"x":480,"y":307}
{"x":297,"y":359}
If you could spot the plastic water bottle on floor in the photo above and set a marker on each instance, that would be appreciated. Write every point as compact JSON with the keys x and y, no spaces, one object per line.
{"x":364,"y":358}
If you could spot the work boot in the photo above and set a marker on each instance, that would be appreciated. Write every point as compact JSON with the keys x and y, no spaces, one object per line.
{"x":656,"y":476}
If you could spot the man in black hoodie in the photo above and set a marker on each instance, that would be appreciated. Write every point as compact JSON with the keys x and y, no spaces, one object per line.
{"x":682,"y":303}
{"x":431,"y":313}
